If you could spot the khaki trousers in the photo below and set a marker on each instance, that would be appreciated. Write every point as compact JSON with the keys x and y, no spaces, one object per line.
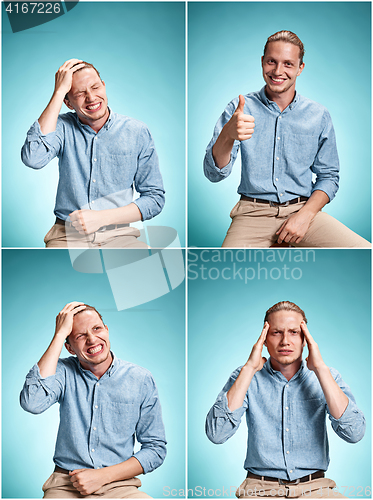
{"x":317,"y":488}
{"x":58,"y":485}
{"x":255,"y":225}
{"x":60,"y":236}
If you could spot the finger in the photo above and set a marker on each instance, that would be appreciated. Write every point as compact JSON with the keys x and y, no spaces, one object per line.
{"x":71,"y":62}
{"x":75,"y":471}
{"x":306,"y":332}
{"x":281,"y":228}
{"x":71,"y":305}
{"x":248,"y":119}
{"x":77,"y":66}
{"x":241,"y":104}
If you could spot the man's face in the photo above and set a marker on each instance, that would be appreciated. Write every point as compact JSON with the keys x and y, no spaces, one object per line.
{"x":285,"y":340}
{"x":87,"y":97}
{"x":89,"y":339}
{"x":281,"y":66}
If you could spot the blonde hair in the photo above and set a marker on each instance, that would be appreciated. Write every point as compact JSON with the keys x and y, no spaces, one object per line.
{"x":289,"y":37}
{"x":285,"y":305}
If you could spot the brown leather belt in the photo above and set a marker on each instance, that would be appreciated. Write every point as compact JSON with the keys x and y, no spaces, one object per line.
{"x":274,"y":203}
{"x":59,"y":469}
{"x":102,"y":229}
{"x":310,"y":477}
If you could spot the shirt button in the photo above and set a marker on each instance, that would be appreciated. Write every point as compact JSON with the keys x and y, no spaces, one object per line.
{"x":92,"y":202}
{"x":93,"y":449}
{"x":96,"y":140}
{"x":278,"y":138}
{"x":276,"y":179}
{"x":97,"y":467}
{"x":287,"y":430}
{"x":94,"y":428}
{"x":282,"y":194}
{"x":98,"y":383}
{"x":93,"y":180}
{"x":291,"y":471}
{"x":277,"y":158}
{"x":279,"y":117}
{"x":96,"y":406}
{"x":287,"y":452}
{"x":286,"y":407}
{"x":287,"y":385}
{"x":95,"y":159}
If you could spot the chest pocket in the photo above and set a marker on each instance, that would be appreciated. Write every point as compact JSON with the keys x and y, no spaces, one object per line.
{"x":301,"y":148}
{"x":120,"y":417}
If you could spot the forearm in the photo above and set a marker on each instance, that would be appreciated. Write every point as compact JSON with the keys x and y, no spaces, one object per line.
{"x":48,"y":362}
{"x":48,"y":119}
{"x":315,"y":203}
{"x":122,"y":215}
{"x":222,"y":149}
{"x":122,"y":471}
{"x":237,"y":392}
{"x":336,"y":399}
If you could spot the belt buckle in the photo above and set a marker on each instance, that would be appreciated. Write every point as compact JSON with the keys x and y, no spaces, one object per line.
{"x":101,"y":229}
{"x":273,"y":204}
{"x":296,"y":481}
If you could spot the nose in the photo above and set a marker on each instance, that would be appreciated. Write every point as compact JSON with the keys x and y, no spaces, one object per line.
{"x":285,"y":339}
{"x":89,"y":97}
{"x":278,"y":69}
{"x":91,"y":338}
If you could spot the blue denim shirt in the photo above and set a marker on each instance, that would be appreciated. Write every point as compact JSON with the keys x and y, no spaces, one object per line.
{"x":284,"y":151}
{"x":286,"y":422}
{"x":99,"y":419}
{"x":98,"y":171}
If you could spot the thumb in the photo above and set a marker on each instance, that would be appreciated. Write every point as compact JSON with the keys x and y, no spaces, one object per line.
{"x":241,"y":104}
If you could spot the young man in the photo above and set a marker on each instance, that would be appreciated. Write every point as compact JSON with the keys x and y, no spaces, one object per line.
{"x":104,"y":403}
{"x":102,"y":157}
{"x":286,"y":401}
{"x":284,"y":139}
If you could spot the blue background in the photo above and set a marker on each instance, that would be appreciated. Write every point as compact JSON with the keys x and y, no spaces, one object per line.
{"x":36,"y":286}
{"x":225,"y":320}
{"x":225,"y":45}
{"x":139,"y":49}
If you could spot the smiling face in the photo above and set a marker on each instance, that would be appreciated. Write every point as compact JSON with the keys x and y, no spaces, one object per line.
{"x":87,"y":97}
{"x":89,"y":341}
{"x":281,"y":67}
{"x":285,"y":340}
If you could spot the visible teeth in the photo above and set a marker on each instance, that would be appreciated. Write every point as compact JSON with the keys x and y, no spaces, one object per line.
{"x":277,"y":79}
{"x":93,"y":350}
{"x":94,"y":106}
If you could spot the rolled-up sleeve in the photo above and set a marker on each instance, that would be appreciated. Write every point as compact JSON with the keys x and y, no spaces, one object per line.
{"x":148,"y":179}
{"x":221,"y":422}
{"x":39,"y":393}
{"x":150,"y":429}
{"x":326,"y":163}
{"x":211,"y":171}
{"x":39,"y":149}
{"x":351,"y":425}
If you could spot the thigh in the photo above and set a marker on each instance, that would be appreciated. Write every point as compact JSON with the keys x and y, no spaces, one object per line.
{"x":58,"y":485}
{"x":60,"y":236}
{"x":327,"y":232}
{"x":253,"y":225}
{"x":128,"y":488}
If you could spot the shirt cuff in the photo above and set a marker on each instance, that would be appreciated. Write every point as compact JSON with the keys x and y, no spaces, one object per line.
{"x":149,"y":459}
{"x":214,"y":173}
{"x":34,"y":378}
{"x":348,"y":417}
{"x":221,"y":409}
{"x":35,"y":134}
{"x":328,"y":187}
{"x":148,"y":207}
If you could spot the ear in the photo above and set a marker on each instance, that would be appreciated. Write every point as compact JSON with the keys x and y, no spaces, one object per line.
{"x":69,"y":348}
{"x":103,"y":83}
{"x":67,"y":102}
{"x":261,"y":59}
{"x":301,"y":68}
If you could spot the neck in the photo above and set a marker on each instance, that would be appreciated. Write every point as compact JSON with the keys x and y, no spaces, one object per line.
{"x":283,"y":99}
{"x":97,"y":124}
{"x":100,"y":369}
{"x":288,"y":371}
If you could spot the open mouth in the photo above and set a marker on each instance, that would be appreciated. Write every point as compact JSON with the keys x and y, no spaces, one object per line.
{"x":97,"y":349}
{"x":93,"y":107}
{"x":277,"y":81}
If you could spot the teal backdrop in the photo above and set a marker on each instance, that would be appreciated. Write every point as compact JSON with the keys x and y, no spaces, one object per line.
{"x":225,"y":319}
{"x":139,"y":49}
{"x":36,"y":286}
{"x":225,"y":45}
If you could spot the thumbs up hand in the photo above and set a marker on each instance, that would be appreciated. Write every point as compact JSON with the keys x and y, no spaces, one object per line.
{"x":240,"y":127}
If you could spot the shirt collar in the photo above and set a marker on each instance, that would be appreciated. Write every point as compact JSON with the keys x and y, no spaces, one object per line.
{"x":302,"y":369}
{"x":109,"y":372}
{"x":267,"y":102}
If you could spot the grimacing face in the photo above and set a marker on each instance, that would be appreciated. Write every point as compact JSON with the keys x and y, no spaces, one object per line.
{"x":87,"y":97}
{"x":89,"y":339}
{"x":281,"y":66}
{"x":285,"y":339}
